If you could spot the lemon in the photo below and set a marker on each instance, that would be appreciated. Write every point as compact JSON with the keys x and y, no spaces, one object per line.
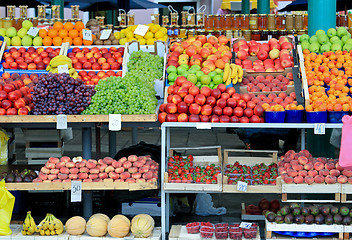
{"x":131,"y":39}
{"x":149,"y":35}
{"x":138,"y":36}
{"x":159,"y":34}
{"x":141,"y":41}
{"x":164,"y":39}
{"x":129,"y":34}
{"x":117,"y":35}
{"x":122,"y":34}
{"x":122,"y":41}
{"x":155,"y":28}
{"x":164,"y":30}
{"x":150,"y":41}
{"x":150,"y":24}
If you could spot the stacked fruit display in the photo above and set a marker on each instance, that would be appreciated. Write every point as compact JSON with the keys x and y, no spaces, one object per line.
{"x":332,"y":40}
{"x":132,"y":94}
{"x":26,"y":175}
{"x":50,"y":225}
{"x":267,"y":83}
{"x":295,"y":214}
{"x":13,"y":37}
{"x":28,"y":80}
{"x":96,"y":59}
{"x":155,"y":32}
{"x":61,"y":60}
{"x":301,"y":168}
{"x":28,"y":59}
{"x":92,"y":77}
{"x":232,"y":73}
{"x":183,"y":170}
{"x":273,"y":56}
{"x":253,"y":175}
{"x":263,"y":206}
{"x":131,"y":169}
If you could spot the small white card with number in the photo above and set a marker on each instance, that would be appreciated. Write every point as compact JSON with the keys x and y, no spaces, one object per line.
{"x":62,"y":68}
{"x":105,"y":34}
{"x":61,"y":121}
{"x":76,"y":191}
{"x":319,"y":128}
{"x":87,"y":35}
{"x":141,"y":30}
{"x":152,"y":17}
{"x":245,"y":225}
{"x":242,"y":186}
{"x":33,"y":31}
{"x":204,"y":125}
{"x":114,"y":122}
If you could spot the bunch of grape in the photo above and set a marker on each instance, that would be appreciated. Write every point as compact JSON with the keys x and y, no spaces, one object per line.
{"x":60,"y":94}
{"x":132,"y":94}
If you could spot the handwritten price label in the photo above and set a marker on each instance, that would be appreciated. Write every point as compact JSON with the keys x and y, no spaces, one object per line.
{"x":114,"y":122}
{"x":61,"y":121}
{"x":105,"y":34}
{"x":141,"y":30}
{"x":242,"y":186}
{"x":319,"y":128}
{"x":62,"y":68}
{"x":87,"y":34}
{"x":203,"y":125}
{"x":76,"y":191}
{"x":245,"y":225}
{"x":33,"y":31}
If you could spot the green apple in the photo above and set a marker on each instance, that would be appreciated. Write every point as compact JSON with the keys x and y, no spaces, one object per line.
{"x":305,"y":45}
{"x":319,"y":32}
{"x":16,"y":41}
{"x":345,"y":38}
{"x":198,"y":84}
{"x":322,"y":39}
{"x":338,"y":42}
{"x":199,"y":74}
{"x":22,"y":32}
{"x":211,"y":85}
{"x":185,"y":66}
{"x":27,"y":41}
{"x":324,"y":48}
{"x":37,"y":41}
{"x":11,"y":32}
{"x":331,"y":32}
{"x":171,"y":69}
{"x":181,"y":70}
{"x":2,"y":32}
{"x":205,"y":79}
{"x":217,"y":79}
{"x":185,"y":74}
{"x":212,"y":75}
{"x":193,"y":71}
{"x":196,"y":67}
{"x":172,"y":77}
{"x":334,"y":38}
{"x":192,"y":78}
{"x":341,"y":31}
{"x":27,"y":24}
{"x":347,"y":47}
{"x":304,"y":38}
{"x":219,"y":71}
{"x":313,"y":39}
{"x":335,"y":47}
{"x":314,"y":47}
{"x":171,"y":83}
{"x":349,"y":41}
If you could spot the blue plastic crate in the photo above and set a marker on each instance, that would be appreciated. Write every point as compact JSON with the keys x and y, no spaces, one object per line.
{"x":317,"y":117}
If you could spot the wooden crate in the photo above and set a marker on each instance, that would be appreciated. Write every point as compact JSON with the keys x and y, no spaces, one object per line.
{"x":248,"y":217}
{"x":251,"y":161}
{"x":270,"y":227}
{"x":179,"y":232}
{"x":346,"y":189}
{"x":311,"y":189}
{"x":197,"y":161}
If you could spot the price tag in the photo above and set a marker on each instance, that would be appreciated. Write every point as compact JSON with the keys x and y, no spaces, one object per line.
{"x":87,"y":34}
{"x":319,"y":128}
{"x":245,"y":225}
{"x":204,"y":125}
{"x":270,"y":37}
{"x":61,"y":121}
{"x":141,"y":30}
{"x":76,"y":191}
{"x":114,"y":122}
{"x":33,"y":31}
{"x":242,"y":186}
{"x":62,"y":68}
{"x":119,"y":18}
{"x":152,"y":17}
{"x":105,"y":34}
{"x":189,"y":18}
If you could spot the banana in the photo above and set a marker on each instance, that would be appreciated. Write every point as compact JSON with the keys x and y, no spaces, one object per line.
{"x":42,"y":232}
{"x":24,"y":232}
{"x":240,"y":73}
{"x":54,"y":70}
{"x":71,"y":71}
{"x":227,"y":73}
{"x":75,"y":75}
{"x":26,"y":222}
{"x":58,"y":226}
{"x":234,"y":73}
{"x":29,"y":226}
{"x":48,"y":68}
{"x":47,"y":232}
{"x":60,"y":60}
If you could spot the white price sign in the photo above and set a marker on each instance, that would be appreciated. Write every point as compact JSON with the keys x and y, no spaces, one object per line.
{"x":152,"y":17}
{"x":33,"y":31}
{"x":204,"y":125}
{"x":141,"y":30}
{"x":105,"y":34}
{"x":242,"y":186}
{"x":245,"y":225}
{"x":76,"y":191}
{"x":319,"y":128}
{"x":61,"y":121}
{"x":62,"y":68}
{"x":87,"y":35}
{"x":114,"y":122}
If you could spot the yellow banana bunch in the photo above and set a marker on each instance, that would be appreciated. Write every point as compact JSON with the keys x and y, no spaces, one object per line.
{"x":62,"y":60}
{"x":234,"y":73}
{"x":227,"y":74}
{"x":29,"y":226}
{"x":239,"y":73}
{"x":50,"y":226}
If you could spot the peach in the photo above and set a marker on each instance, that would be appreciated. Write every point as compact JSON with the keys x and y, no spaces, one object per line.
{"x":294,"y":162}
{"x":42,"y":176}
{"x":338,"y":167}
{"x":139,"y":180}
{"x":108,"y":160}
{"x":80,"y":164}
{"x":302,"y":173}
{"x":298,"y":180}
{"x":318,"y":166}
{"x":102,"y":175}
{"x":148,"y":175}
{"x":62,"y":176}
{"x":57,"y":180}
{"x":334,"y":172}
{"x":91,"y":163}
{"x":142,"y":159}
{"x":116,"y":164}
{"x":102,"y":167}
{"x":114,"y":175}
{"x":97,"y":180}
{"x":132,"y":158}
{"x":131,"y":180}
{"x":347,"y":173}
{"x":350,"y":180}
{"x":100,"y":161}
{"x":50,"y":165}
{"x":303,"y":160}
{"x":319,"y":179}
{"x":297,"y":167}
{"x":143,"y":169}
{"x":127,"y":164}
{"x":70,"y":164}
{"x":287,"y":165}
{"x":309,"y":180}
{"x":138,"y":164}
{"x":125,"y":175}
{"x":119,"y":170}
{"x":45,"y":170}
{"x":123,"y":159}
{"x":87,"y":180}
{"x":93,"y":176}
{"x":109,"y":169}
{"x":37,"y":180}
{"x":291,"y":172}
{"x":330,"y":179}
{"x":82,"y":175}
{"x":136,"y":175}
{"x":308,"y":166}
{"x":73,"y":176}
{"x":133,"y":170}
{"x":342,"y":179}
{"x":94,"y":171}
{"x":312,"y":173}
{"x":108,"y":180}
{"x":54,"y":160}
{"x":288,"y":180}
{"x":65,"y":159}
{"x":65,"y":170}
{"x":329,"y":166}
{"x":84,"y":170}
{"x":324,"y":172}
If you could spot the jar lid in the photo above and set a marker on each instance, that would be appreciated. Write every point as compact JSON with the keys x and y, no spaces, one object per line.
{"x":271,"y":15}
{"x":255,"y":31}
{"x":246,"y":31}
{"x":7,"y":18}
{"x":274,"y":31}
{"x":265,"y":30}
{"x":253,"y":15}
{"x":227,"y":15}
{"x":262,"y":15}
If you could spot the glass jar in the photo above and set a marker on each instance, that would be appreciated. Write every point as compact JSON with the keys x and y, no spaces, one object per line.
{"x":349,"y":22}
{"x":337,"y":20}
{"x":300,"y":32}
{"x":229,"y":34}
{"x":184,"y":18}
{"x":264,"y":35}
{"x":174,"y":18}
{"x":208,"y":22}
{"x":165,"y":20}
{"x":35,"y":21}
{"x":299,"y":18}
{"x":271,"y":22}
{"x":191,"y":32}
{"x":1,"y":22}
{"x":191,"y":18}
{"x":273,"y":34}
{"x":217,"y":22}
{"x":262,"y":22}
{"x":237,"y":33}
{"x":74,"y":11}
{"x":55,"y":11}
{"x":305,"y":22}
{"x":155,"y":18}
{"x":130,"y":19}
{"x":17,"y":23}
{"x":280,"y":22}
{"x":200,"y":19}
{"x":247,"y":34}
{"x":253,"y":21}
{"x":41,"y":11}
{"x":343,"y":20}
{"x":236,"y":22}
{"x":7,"y":23}
{"x":228,"y":21}
{"x":23,"y":11}
{"x":200,"y":32}
{"x":244,"y":21}
{"x":282,"y":33}
{"x":10,"y":11}
{"x":255,"y":35}
{"x":176,"y":30}
{"x":289,"y":22}
{"x":183,"y":33}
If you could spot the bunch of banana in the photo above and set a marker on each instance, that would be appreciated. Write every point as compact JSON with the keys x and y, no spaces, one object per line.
{"x":232,"y":73}
{"x":50,"y":225}
{"x":29,"y":226}
{"x":62,"y":60}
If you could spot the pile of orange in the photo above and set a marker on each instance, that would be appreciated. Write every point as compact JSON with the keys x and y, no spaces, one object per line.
{"x":68,"y":32}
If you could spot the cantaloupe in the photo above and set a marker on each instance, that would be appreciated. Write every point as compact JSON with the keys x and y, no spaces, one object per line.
{"x":97,"y":227}
{"x":119,"y":226}
{"x":101,"y":215}
{"x":75,"y":225}
{"x":142,"y":225}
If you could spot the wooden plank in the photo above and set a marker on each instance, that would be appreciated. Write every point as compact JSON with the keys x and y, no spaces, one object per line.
{"x":310,"y":188}
{"x":303,"y":227}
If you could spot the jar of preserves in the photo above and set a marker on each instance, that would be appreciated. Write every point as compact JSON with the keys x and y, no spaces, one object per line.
{"x":130,"y":19}
{"x":237,"y":33}
{"x":300,"y":32}
{"x":7,"y":23}
{"x":17,"y":23}
{"x":176,"y":30}
{"x":299,"y":18}
{"x":282,"y":33}
{"x":337,"y":20}
{"x":23,"y":11}
{"x":343,"y":20}
{"x":200,"y":19}
{"x":253,"y":21}
{"x":191,"y":31}
{"x":55,"y":11}
{"x":244,"y":21}
{"x":273,"y":34}
{"x":217,"y":23}
{"x":255,"y":35}
{"x":264,"y":35}
{"x":236,"y":22}
{"x":200,"y":32}
{"x":155,"y":18}
{"x":247,"y":34}
{"x":165,"y":20}
{"x":280,"y":22}
{"x":75,"y":11}
{"x":101,"y":20}
{"x":289,"y":22}
{"x":174,"y":18}
{"x":305,"y":22}
{"x":35,"y":21}
{"x":184,"y":18}
{"x":191,"y":18}
{"x":228,"y":21}
{"x":262,"y":22}
{"x":183,"y":33}
{"x":10,"y":11}
{"x":209,"y":22}
{"x":271,"y":22}
{"x":229,"y":34}
{"x":41,"y":11}
{"x":121,"y":18}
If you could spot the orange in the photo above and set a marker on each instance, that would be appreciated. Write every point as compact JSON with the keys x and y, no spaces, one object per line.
{"x":79,"y":26}
{"x":57,"y":41}
{"x":63,"y":33}
{"x":52,"y":33}
{"x":47,"y":41}
{"x":58,"y":26}
{"x":68,"y":26}
{"x":67,"y":39}
{"x":77,"y":41}
{"x":73,"y":33}
{"x":43,"y":33}
{"x":86,"y":42}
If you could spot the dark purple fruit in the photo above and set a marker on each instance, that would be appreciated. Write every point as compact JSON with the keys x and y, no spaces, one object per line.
{"x":325,"y":210}
{"x":271,"y":217}
{"x":344,"y":211}
{"x":285,"y":210}
{"x":314,"y":210}
{"x":329,"y":219}
{"x":293,"y":206}
{"x":296,"y":211}
{"x":346,"y":220}
{"x":309,"y":219}
{"x":319,"y":219}
{"x":334,"y":210}
{"x":279,"y":219}
{"x":305,"y":211}
{"x":299,"y":219}
{"x":289,"y":219}
{"x":337,"y":219}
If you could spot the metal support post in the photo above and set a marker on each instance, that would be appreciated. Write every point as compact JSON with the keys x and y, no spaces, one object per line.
{"x":112,"y":143}
{"x":134,"y":135}
{"x":87,"y":154}
{"x":163,"y":203}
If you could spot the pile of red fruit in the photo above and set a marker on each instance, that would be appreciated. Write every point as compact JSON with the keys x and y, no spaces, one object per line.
{"x":92,"y":77}
{"x":182,"y":170}
{"x":97,"y":59}
{"x":263,"y":206}
{"x":28,"y":59}
{"x":301,"y":168}
{"x":206,"y":230}
{"x":253,"y":175}
{"x":273,"y":56}
{"x":193,"y":227}
{"x":267,"y":83}
{"x":127,"y":169}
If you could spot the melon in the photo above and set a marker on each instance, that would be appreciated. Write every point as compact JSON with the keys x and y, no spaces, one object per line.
{"x":142,"y":225}
{"x":119,"y":226}
{"x":75,"y":225}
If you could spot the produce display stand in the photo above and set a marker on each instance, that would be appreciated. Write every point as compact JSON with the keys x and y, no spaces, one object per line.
{"x":346,"y":189}
{"x":179,"y":232}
